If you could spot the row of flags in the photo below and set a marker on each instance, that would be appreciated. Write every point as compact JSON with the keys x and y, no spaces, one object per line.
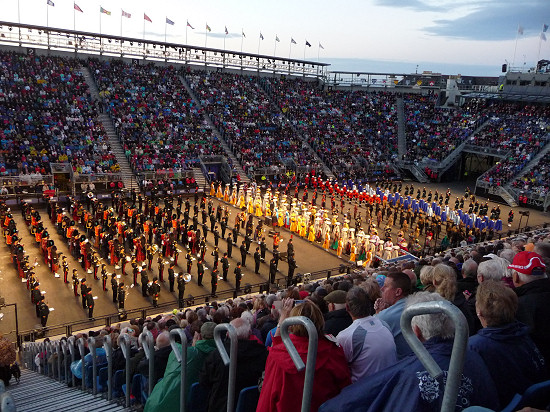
{"x":208,"y":29}
{"x":543,"y":31}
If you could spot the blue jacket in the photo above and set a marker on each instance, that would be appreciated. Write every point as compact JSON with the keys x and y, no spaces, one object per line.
{"x":513,"y":360}
{"x":407,"y":386}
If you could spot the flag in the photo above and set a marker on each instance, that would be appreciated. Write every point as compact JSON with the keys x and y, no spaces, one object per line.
{"x":277,"y":38}
{"x":170,"y":22}
{"x":226,"y":32}
{"x":208,"y":28}
{"x":50,"y":3}
{"x":146,"y":17}
{"x":189,"y":25}
{"x":543,"y":36}
{"x":307,"y":44}
{"x":124,"y":14}
{"x":77,"y":8}
{"x":544,"y":28}
{"x":292,"y":41}
{"x":520,"y":30}
{"x":242,"y":32}
{"x":321,"y":46}
{"x":261,"y":36}
{"x":102,"y":10}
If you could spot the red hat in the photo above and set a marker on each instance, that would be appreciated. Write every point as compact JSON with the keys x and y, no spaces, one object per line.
{"x":526,"y":262}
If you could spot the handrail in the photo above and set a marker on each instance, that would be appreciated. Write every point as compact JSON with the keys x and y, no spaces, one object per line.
{"x":147,"y":341}
{"x":65,"y":350}
{"x":82,"y":355}
{"x":91,"y":345}
{"x":181,"y":358}
{"x":459,"y":346}
{"x":124,"y":343}
{"x":296,"y":358}
{"x":57,"y":346}
{"x":108,"y":345}
{"x":230,"y":359}
{"x":71,"y":340}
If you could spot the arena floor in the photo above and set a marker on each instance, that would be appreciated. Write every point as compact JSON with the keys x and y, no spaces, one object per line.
{"x":68,"y":308}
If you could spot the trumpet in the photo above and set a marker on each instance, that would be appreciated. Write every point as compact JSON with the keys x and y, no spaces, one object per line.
{"x":128,"y":258}
{"x":187,"y":278}
{"x":155,"y":248}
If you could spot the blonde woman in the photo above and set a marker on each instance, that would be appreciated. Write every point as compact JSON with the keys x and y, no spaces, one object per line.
{"x":444,"y":281}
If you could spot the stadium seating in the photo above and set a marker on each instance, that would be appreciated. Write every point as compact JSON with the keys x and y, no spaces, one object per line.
{"x":48,"y":115}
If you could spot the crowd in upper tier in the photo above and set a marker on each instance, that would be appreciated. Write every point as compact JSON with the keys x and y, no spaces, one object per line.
{"x":48,"y":116}
{"x":354,"y":133}
{"x":258,"y":133}
{"x":272,"y":125}
{"x":160,"y":126}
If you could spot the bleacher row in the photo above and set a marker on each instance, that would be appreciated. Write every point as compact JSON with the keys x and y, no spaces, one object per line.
{"x":48,"y":115}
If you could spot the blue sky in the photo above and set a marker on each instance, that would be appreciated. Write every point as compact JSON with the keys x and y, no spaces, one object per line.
{"x":479,"y":34}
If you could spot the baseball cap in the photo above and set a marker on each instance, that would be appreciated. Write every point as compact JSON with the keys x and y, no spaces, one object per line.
{"x":527,"y":262}
{"x":336,"y":296}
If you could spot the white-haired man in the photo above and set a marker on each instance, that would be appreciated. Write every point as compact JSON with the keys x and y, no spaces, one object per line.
{"x":407,"y":386}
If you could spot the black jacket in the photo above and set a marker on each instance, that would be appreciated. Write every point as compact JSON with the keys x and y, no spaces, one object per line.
{"x":336,"y":321}
{"x":251,"y":357}
{"x":534,"y":311}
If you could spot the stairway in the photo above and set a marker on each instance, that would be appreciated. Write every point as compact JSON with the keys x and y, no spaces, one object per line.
{"x":401,"y":132}
{"x":200,"y":179}
{"x":36,"y":392}
{"x":128,"y":177}
{"x":506,"y":196}
{"x":216,"y":132}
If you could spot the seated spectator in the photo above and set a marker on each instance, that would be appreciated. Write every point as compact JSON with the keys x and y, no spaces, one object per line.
{"x":445,"y":285}
{"x":533,"y":289}
{"x":397,"y":286}
{"x":337,"y":318}
{"x":283,"y":385}
{"x":251,"y":358}
{"x":166,"y":394}
{"x":407,"y":386}
{"x":512,"y":358}
{"x":367,"y":343}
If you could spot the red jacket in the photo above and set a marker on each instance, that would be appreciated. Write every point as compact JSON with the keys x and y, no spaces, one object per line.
{"x":283,"y":386}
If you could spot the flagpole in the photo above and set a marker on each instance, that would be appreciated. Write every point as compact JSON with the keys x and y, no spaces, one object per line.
{"x":120,"y":22}
{"x":242,"y":40}
{"x":48,"y":23}
{"x":290,"y":48}
{"x":186,"y":27}
{"x":259,"y":40}
{"x":224,"y":37}
{"x":74,"y":18}
{"x":318,"y":52}
{"x":305,"y":45}
{"x":206,"y":35}
{"x":19,"y":19}
{"x":275,"y":49}
{"x":540,"y":43}
{"x":143,"y":27}
{"x":515,"y":47}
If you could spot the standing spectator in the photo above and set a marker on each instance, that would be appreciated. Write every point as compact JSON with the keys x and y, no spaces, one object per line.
{"x":7,"y":357}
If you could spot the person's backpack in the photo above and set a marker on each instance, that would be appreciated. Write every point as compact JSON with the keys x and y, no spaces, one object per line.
{"x":16,"y":372}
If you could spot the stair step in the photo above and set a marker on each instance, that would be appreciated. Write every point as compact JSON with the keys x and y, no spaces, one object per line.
{"x":38,"y":392}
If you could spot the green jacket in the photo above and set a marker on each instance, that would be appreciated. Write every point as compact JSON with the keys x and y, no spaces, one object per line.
{"x":166,"y":394}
